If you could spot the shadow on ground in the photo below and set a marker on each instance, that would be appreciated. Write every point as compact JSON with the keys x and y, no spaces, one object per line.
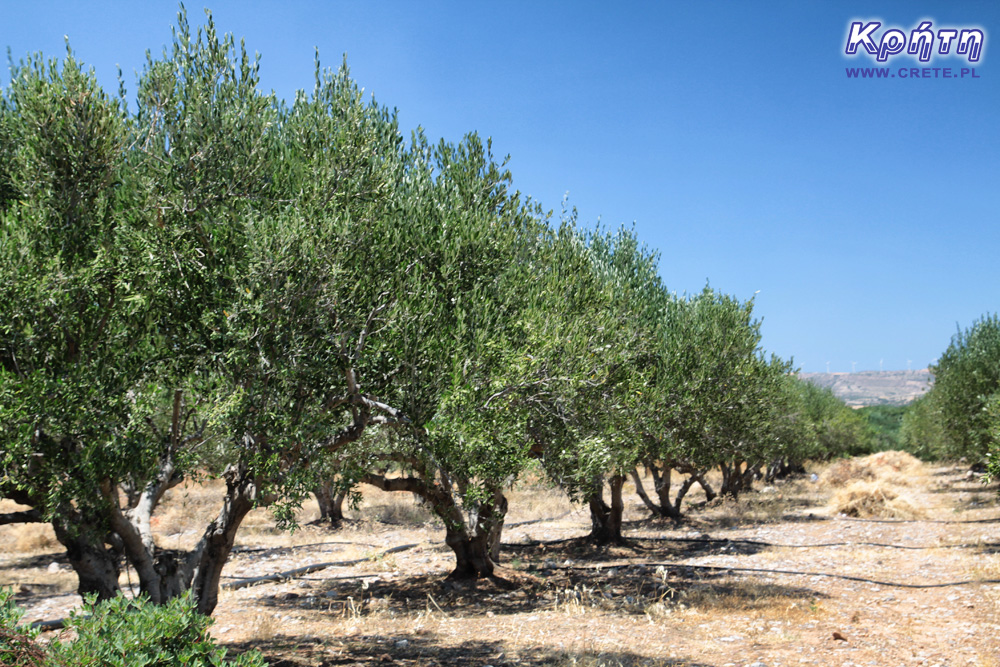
{"x":623,"y":579}
{"x":428,"y":650}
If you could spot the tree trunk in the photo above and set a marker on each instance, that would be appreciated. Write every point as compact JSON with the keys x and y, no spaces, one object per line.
{"x":661,"y":484}
{"x":675,"y":508}
{"x":731,"y":480}
{"x":477,"y":548}
{"x":331,"y":503}
{"x":606,"y":521}
{"x":472,"y":555}
{"x":751,"y":473}
{"x":97,"y":567}
{"x":641,"y":491}
{"x":209,"y":557}
{"x":667,"y":508}
{"x":710,"y":493}
{"x":782,"y":468}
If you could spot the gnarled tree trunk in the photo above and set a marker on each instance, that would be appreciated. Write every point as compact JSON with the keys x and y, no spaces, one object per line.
{"x":331,"y":503}
{"x":97,"y":566}
{"x":207,"y":560}
{"x":476,"y":542}
{"x":478,"y":550}
{"x":606,"y":520}
{"x":737,"y":477}
{"x":667,"y":507}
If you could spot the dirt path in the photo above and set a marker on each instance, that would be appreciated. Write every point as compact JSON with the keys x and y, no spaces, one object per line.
{"x":776,"y":579}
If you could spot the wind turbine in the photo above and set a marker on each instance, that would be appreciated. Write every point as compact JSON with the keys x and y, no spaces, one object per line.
{"x":853,"y":364}
{"x":908,"y":362}
{"x":828,"y":367}
{"x":880,"y":365}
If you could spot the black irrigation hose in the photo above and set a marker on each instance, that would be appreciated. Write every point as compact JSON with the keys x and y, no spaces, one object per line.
{"x":722,"y":568}
{"x":525,"y":523}
{"x":804,"y":546}
{"x":850,"y":518}
{"x":290,"y":574}
{"x":47,"y":626}
{"x":254,"y":550}
{"x":891,"y":584}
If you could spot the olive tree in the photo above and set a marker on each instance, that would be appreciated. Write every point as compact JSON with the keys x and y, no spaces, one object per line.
{"x":173,"y":286}
{"x":719,"y":399}
{"x":476,"y":249}
{"x":594,"y":351}
{"x":966,"y":384}
{"x":73,"y":340}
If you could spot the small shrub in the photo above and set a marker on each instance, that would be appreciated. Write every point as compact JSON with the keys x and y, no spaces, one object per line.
{"x":18,"y":649}
{"x":119,"y":633}
{"x":128,"y":633}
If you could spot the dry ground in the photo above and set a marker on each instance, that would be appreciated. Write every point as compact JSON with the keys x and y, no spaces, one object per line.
{"x":767,"y":580}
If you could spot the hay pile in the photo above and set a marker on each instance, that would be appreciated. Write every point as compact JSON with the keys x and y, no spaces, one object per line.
{"x":869,"y":487}
{"x":894,"y":467}
{"x":846,"y":471}
{"x":875,"y":500}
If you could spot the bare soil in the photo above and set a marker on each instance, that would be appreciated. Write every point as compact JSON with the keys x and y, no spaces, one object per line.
{"x":777,"y":578}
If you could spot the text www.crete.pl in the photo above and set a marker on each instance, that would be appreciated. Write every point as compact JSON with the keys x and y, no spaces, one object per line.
{"x":911,"y":73}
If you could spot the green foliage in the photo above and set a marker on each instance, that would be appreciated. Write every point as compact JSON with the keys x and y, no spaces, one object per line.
{"x":11,"y":614}
{"x":130,"y":633}
{"x":922,"y":431}
{"x":966,"y":379}
{"x":886,"y":422}
{"x":720,"y":391}
{"x":834,"y":428}
{"x":221,"y":281}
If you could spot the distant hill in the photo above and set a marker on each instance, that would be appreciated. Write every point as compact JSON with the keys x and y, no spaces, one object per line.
{"x":873,"y":387}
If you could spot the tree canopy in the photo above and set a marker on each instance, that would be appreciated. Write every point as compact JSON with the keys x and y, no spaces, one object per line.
{"x":212,"y":281}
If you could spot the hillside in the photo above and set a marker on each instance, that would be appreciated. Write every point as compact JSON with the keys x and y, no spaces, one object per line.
{"x":874,"y":387}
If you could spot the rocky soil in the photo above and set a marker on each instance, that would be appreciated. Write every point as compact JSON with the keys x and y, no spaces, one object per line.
{"x":777,"y":578}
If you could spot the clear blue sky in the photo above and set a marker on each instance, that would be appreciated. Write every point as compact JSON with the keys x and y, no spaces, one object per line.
{"x":863,"y":211}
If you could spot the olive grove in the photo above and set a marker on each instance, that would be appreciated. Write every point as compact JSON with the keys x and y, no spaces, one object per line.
{"x":204,"y":280}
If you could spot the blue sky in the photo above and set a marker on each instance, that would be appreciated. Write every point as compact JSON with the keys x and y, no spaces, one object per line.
{"x":864,"y":212}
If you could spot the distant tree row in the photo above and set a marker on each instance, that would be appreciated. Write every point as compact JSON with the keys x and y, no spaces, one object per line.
{"x":205,"y":280}
{"x":960,"y":416}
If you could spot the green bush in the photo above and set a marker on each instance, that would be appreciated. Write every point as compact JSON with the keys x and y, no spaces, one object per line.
{"x":966,"y":381}
{"x":122,"y":633}
{"x":885,"y":421}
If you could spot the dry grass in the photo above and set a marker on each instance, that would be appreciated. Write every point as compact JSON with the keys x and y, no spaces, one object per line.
{"x":896,"y":461}
{"x":264,"y":627}
{"x":32,"y":538}
{"x":29,"y":581}
{"x":875,"y":500}
{"x":25,"y":538}
{"x":534,"y":497}
{"x":395,"y":508}
{"x":896,"y":468}
{"x":847,"y":471}
{"x":870,"y":487}
{"x":185,"y":511}
{"x":754,"y":508}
